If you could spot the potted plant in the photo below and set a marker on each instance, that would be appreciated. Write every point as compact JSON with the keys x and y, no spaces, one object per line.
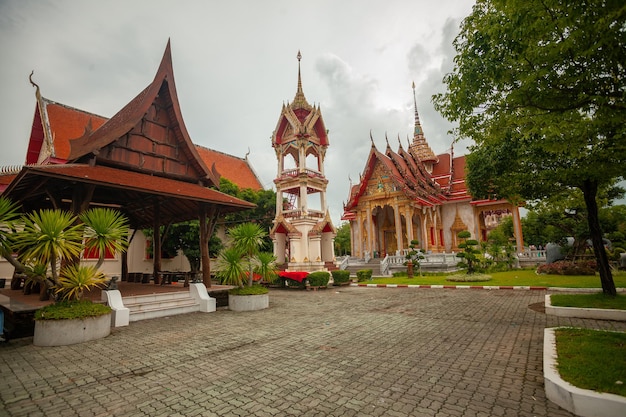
{"x":239,"y":262}
{"x":52,"y":241}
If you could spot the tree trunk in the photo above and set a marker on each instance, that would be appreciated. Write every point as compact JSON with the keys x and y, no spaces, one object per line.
{"x":590,"y":190}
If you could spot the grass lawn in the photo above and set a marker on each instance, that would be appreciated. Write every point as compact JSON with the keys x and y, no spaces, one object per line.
{"x":517,"y":277}
{"x":597,"y":300}
{"x":592,"y":359}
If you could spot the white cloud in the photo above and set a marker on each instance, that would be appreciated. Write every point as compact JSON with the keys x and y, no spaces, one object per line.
{"x":235,"y":64}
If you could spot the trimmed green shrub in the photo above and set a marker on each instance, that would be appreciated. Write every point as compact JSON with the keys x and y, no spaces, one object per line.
{"x":253,"y":290}
{"x":75,"y":309}
{"x":364,"y":275}
{"x":340,"y":276}
{"x":318,"y":278}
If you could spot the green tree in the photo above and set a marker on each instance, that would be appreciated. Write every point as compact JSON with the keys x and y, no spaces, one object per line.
{"x":539,"y":86}
{"x":263,"y":214}
{"x":342,"y":240}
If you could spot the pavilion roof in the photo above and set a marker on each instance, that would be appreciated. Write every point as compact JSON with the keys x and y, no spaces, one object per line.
{"x":133,"y":193}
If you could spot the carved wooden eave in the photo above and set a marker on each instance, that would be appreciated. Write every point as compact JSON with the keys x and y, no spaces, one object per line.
{"x":323,"y":226}
{"x":283,"y":226}
{"x":148,"y":135}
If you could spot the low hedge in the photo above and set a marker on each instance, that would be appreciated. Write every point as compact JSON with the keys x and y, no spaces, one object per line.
{"x":340,"y":276}
{"x":364,"y":275}
{"x":318,"y":278}
{"x":568,"y":268}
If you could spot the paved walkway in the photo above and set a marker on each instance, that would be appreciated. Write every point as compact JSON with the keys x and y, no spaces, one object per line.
{"x":347,"y":352}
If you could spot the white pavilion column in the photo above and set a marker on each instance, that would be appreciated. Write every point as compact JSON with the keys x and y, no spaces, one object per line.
{"x":409,"y":226}
{"x":303,"y":202}
{"x":370,"y":231}
{"x":398,"y":220}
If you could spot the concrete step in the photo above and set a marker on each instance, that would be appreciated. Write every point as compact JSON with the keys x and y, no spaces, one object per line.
{"x":142,"y":307}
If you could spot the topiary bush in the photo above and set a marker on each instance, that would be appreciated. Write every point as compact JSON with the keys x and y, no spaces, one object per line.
{"x":364,"y":275}
{"x":340,"y":276}
{"x":318,"y":278}
{"x":568,"y":268}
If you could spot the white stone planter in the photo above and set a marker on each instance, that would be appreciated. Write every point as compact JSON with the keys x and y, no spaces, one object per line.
{"x":70,"y":332}
{"x":248,"y":302}
{"x":584,"y":313}
{"x":582,"y":402}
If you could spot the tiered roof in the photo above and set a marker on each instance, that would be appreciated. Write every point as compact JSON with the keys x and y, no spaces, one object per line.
{"x":299,"y":119}
{"x":422,"y":176}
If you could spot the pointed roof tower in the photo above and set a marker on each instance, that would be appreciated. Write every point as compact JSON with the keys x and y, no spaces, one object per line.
{"x":148,"y":135}
{"x":300,"y":119}
{"x":420,"y":148}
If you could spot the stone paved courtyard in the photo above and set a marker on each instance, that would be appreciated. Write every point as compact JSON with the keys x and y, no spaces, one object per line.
{"x":336,"y":352}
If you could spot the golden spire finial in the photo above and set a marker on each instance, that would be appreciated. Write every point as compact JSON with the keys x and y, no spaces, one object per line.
{"x":299,"y":100}
{"x":418,"y":126}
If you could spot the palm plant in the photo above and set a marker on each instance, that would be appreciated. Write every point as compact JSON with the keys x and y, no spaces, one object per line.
{"x":229,"y":268}
{"x":48,"y":237}
{"x":56,"y":237}
{"x":75,"y":279}
{"x":265,"y":266}
{"x":247,"y":238}
{"x":8,"y":216}
{"x":106,"y":230}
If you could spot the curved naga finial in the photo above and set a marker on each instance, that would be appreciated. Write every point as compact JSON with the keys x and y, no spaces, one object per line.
{"x":34,"y":84}
{"x":247,"y":153}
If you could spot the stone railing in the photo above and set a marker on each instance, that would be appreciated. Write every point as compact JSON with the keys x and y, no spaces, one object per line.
{"x":384,"y":266}
{"x":299,"y":213}
{"x":533,"y":254}
{"x":343,"y":265}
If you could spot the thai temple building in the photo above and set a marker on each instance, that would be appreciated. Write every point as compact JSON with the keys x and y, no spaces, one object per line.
{"x":303,"y":233}
{"x":413,"y":194}
{"x":141,"y":161}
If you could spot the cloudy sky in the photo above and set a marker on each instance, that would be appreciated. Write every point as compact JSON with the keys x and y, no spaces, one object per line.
{"x":235,"y":65}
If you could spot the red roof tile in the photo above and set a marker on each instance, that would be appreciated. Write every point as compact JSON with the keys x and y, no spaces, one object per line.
{"x":237,"y":170}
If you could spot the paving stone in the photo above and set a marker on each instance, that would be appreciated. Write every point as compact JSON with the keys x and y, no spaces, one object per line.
{"x":347,"y":352}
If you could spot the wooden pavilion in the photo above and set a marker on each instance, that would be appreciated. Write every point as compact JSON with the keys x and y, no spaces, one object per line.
{"x":141,"y":162}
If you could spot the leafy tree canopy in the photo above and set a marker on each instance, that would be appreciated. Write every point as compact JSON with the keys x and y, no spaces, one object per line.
{"x":540,"y":86}
{"x":342,"y":240}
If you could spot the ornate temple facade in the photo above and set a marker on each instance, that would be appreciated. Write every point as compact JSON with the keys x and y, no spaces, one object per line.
{"x":413,"y":194}
{"x":303,"y":233}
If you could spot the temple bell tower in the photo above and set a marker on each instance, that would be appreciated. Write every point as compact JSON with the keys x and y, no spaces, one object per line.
{"x":303,"y":233}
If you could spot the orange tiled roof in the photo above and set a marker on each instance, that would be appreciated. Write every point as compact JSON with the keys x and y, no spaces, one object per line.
{"x":69,"y":123}
{"x":235,"y":169}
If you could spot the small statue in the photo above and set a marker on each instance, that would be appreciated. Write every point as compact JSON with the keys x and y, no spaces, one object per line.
{"x":112,"y":285}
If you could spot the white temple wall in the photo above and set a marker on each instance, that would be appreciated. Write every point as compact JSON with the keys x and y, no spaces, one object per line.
{"x":448,"y":214}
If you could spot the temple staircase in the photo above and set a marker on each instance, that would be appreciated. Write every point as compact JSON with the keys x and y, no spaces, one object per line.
{"x":356,"y":264}
{"x":149,"y":306}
